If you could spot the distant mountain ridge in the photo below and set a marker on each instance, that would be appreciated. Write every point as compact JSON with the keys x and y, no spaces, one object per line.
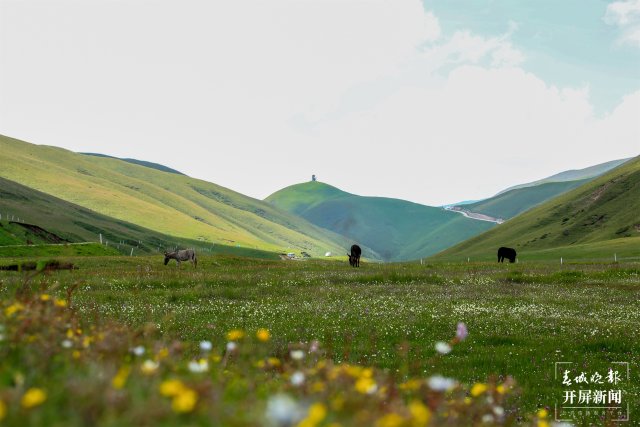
{"x":395,"y":229}
{"x":572,"y":174}
{"x":597,"y":218}
{"x":520,"y":198}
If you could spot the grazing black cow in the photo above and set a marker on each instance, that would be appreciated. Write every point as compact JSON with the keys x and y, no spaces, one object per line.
{"x":183,"y":255}
{"x":354,"y":258}
{"x":508,"y":253}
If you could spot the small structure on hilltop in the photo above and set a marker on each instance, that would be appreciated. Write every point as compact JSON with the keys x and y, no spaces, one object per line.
{"x":313,"y":178}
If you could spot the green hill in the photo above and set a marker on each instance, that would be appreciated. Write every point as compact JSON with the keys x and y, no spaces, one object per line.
{"x":513,"y":202}
{"x":520,"y":198}
{"x":151,"y":165}
{"x":394,"y":229}
{"x":54,"y":222}
{"x":573,"y":174}
{"x":168,"y":203}
{"x":597,"y":219}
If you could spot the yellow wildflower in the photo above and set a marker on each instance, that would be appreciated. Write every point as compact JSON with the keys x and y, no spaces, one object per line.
{"x":411,"y":385}
{"x":501,"y":389}
{"x":542,"y":413}
{"x":337,"y":403}
{"x":467,"y":401}
{"x":170,"y":388}
{"x":33,"y":397}
{"x":3,"y":410}
{"x":390,"y":420}
{"x":478,"y":389}
{"x":318,"y":387}
{"x":76,"y":354}
{"x":70,"y":333}
{"x":263,"y":334}
{"x":543,"y":423}
{"x":317,"y":413}
{"x":163,"y":353}
{"x":45,"y":297}
{"x":420,"y":414}
{"x":60,"y":302}
{"x":86,"y":341}
{"x":12,"y":309}
{"x":216,"y":358}
{"x":235,"y":334}
{"x":120,"y":379}
{"x":184,"y":401}
{"x":366,"y":385}
{"x":274,"y":361}
{"x":354,"y":371}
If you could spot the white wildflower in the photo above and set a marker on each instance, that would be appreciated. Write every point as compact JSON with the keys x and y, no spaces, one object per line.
{"x":198,"y":366}
{"x":297,"y":354}
{"x":297,"y":379}
{"x":440,"y":383}
{"x":206,"y":345}
{"x":138,"y":350}
{"x":282,"y":410}
{"x":442,"y":347}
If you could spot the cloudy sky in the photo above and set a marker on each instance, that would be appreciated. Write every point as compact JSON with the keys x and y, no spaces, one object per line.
{"x":433,"y":101}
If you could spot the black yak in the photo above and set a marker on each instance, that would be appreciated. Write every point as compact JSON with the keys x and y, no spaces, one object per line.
{"x":354,"y":257}
{"x":508,"y":253}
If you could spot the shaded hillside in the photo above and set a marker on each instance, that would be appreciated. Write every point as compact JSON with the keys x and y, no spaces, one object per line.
{"x":395,"y":229}
{"x":591,"y":217}
{"x":511,"y":203}
{"x":49,"y":220}
{"x":168,"y":203}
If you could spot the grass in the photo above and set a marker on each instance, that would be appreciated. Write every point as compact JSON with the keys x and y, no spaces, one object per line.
{"x":169,"y":203}
{"x":58,"y":250}
{"x":395,"y":230}
{"x":522,"y":318}
{"x":592,"y":218}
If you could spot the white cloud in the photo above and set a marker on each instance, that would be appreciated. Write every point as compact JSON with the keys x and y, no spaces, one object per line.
{"x":368,"y":94}
{"x":626,"y":15}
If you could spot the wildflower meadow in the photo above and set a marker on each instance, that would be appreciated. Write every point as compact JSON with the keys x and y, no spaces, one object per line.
{"x":123,"y":341}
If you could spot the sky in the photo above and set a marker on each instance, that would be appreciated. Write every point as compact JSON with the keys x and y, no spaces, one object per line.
{"x":429,"y":101}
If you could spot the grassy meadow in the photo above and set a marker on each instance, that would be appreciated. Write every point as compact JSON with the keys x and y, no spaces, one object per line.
{"x":346,"y":346}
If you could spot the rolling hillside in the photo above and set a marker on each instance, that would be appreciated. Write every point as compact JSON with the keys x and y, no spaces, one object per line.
{"x":597,"y":219}
{"x":168,"y":203}
{"x":55,"y":221}
{"x":520,"y":198}
{"x":513,"y":202}
{"x":395,"y":229}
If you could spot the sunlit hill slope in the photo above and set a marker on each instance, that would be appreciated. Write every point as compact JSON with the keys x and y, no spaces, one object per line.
{"x":167,"y":203}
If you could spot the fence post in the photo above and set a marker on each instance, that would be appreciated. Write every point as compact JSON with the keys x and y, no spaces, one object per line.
{"x":100,"y":238}
{"x":560,"y":260}
{"x":131,"y":252}
{"x":615,"y":257}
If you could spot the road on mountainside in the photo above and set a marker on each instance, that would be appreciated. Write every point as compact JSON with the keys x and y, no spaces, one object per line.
{"x":474,"y":215}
